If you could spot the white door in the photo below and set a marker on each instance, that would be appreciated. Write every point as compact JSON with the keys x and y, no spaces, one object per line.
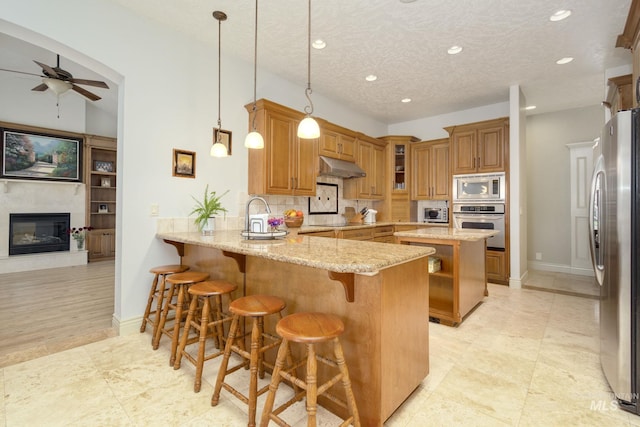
{"x":581,"y":168}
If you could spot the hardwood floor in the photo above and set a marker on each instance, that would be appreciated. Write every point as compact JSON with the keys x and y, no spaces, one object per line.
{"x":47,"y":311}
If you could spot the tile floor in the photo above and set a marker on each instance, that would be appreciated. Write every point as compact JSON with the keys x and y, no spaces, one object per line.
{"x":522,"y":358}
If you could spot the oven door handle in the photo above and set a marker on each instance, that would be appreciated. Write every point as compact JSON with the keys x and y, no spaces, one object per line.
{"x":477,"y":216}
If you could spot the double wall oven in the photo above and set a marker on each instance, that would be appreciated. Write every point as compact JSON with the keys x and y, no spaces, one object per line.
{"x":479,"y":202}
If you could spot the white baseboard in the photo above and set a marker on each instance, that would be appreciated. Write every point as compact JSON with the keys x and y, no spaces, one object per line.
{"x":559,"y":268}
{"x":517,"y":283}
{"x":128,"y":327}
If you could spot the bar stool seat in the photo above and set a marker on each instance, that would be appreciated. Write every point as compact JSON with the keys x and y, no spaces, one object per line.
{"x":157,"y":293}
{"x":177,"y":282}
{"x":210,"y":324}
{"x":255,"y":307}
{"x":310,"y":329}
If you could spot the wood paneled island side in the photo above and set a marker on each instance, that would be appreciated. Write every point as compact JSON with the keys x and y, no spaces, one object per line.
{"x":461,"y":282}
{"x":380,"y":291}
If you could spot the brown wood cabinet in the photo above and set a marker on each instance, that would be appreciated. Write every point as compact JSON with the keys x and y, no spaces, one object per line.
{"x":370,"y":156}
{"x":100,"y":179}
{"x":630,"y":39}
{"x":479,"y":147}
{"x":397,"y":204}
{"x":619,"y":95}
{"x":430,"y":177}
{"x":337,"y":142}
{"x":287,"y":165}
{"x":497,"y":269}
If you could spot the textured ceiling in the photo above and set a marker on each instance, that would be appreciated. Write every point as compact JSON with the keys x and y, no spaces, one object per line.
{"x":505,"y":42}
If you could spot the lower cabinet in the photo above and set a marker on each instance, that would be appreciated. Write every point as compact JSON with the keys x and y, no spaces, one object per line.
{"x":497,"y":267}
{"x":101,"y":244}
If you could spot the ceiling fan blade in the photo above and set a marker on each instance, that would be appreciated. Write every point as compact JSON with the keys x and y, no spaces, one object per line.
{"x":85,"y":92}
{"x":41,"y":87}
{"x":20,"y":72}
{"x":47,"y":70}
{"x":95,"y":83}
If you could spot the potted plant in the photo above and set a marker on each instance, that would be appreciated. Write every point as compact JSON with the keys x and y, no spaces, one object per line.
{"x":206,"y":208}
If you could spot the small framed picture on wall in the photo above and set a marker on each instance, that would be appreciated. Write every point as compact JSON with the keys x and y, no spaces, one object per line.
{"x":184,"y":163}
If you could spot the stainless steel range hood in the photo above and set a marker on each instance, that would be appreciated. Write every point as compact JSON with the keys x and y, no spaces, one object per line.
{"x":340,"y":168}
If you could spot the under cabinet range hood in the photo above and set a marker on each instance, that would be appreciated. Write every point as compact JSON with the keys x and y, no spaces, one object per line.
{"x":340,"y":168}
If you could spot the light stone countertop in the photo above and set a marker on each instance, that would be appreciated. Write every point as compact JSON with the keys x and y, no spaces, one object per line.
{"x":338,"y":255}
{"x":441,"y":233}
{"x":314,"y":228}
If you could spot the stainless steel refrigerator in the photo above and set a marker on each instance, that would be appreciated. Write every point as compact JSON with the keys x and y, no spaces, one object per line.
{"x":615,"y":238}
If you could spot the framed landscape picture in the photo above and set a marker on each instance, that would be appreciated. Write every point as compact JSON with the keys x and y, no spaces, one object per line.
{"x":34,"y":155}
{"x":184,"y":163}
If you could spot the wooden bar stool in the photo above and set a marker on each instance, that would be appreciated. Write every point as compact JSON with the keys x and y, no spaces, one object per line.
{"x":179,"y":282}
{"x":310,"y":329}
{"x":157,"y":292}
{"x":210,"y":324}
{"x":256,"y":307}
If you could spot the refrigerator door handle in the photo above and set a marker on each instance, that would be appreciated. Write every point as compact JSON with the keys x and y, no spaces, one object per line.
{"x":596,"y":220}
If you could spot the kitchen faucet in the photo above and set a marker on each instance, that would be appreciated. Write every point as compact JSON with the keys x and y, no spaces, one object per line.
{"x":246,"y":212}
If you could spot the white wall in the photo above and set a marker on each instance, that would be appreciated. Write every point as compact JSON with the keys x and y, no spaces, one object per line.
{"x":159,"y":111}
{"x":548,"y":180}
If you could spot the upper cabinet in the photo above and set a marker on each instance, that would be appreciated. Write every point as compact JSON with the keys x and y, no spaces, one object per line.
{"x":430,"y":177}
{"x":337,"y":142}
{"x":630,"y":39}
{"x":370,"y":156}
{"x":620,"y":93}
{"x":479,"y":147}
{"x":287,"y":165}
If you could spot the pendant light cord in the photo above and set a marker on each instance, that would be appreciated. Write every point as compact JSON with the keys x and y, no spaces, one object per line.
{"x":309,"y":108}
{"x":255,"y":69}
{"x":219,"y":136}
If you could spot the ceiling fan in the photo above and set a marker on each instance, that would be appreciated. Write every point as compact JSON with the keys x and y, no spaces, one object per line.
{"x":60,"y":81}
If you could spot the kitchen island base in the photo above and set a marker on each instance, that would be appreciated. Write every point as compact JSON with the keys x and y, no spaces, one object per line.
{"x":386,"y":338}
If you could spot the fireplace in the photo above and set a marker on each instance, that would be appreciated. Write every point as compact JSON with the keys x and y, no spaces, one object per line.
{"x":31,"y":233}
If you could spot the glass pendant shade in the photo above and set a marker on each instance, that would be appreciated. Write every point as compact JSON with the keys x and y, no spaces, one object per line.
{"x":218,"y":150}
{"x":308,"y":128}
{"x":57,"y":86}
{"x":254,"y":140}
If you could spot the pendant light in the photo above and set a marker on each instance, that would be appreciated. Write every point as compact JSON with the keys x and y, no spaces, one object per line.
{"x":308,"y":127}
{"x":254,"y":139}
{"x":218,"y":149}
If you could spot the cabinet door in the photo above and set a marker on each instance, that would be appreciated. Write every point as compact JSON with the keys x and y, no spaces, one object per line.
{"x":305,"y":178}
{"x":440,"y":177}
{"x":365,"y":151}
{"x":421,"y":171}
{"x":378,"y":180}
{"x":328,"y":143}
{"x":463,"y":152}
{"x":497,"y":267}
{"x":491,"y":143}
{"x":347,"y":148}
{"x":281,"y":156}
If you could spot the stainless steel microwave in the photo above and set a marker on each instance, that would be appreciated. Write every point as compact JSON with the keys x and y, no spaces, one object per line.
{"x":482,"y":187}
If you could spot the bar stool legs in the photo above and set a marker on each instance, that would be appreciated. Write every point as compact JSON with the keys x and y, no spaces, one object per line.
{"x":157,"y":293}
{"x":211,"y":324}
{"x":181,"y":282}
{"x":256,"y":307}
{"x":310,"y":329}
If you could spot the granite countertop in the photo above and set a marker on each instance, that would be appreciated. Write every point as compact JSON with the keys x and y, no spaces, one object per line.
{"x":339,"y":255}
{"x":314,"y":228}
{"x":441,"y":233}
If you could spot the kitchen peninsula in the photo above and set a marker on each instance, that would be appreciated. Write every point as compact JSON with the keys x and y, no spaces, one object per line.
{"x":382,"y":296}
{"x":461,"y":282}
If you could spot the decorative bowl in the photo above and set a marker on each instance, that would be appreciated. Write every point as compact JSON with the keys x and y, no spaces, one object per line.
{"x":294,"y":222}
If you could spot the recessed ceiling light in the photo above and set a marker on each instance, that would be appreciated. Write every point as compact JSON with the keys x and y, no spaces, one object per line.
{"x":405,"y":100}
{"x":454,"y":50}
{"x":530,"y":107}
{"x":371,"y":78}
{"x":560,"y":15}
{"x":564,"y":60}
{"x":319,"y":44}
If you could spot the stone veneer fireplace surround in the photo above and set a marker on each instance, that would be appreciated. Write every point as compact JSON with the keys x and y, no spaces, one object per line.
{"x":33,"y":196}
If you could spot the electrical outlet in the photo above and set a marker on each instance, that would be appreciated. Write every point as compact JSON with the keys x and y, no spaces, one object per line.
{"x":539,"y":256}
{"x":155,"y":209}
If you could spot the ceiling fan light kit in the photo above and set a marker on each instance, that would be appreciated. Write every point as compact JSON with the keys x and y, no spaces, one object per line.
{"x":57,"y":86}
{"x":218,"y":149}
{"x":254,"y":140}
{"x":308,"y":127}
